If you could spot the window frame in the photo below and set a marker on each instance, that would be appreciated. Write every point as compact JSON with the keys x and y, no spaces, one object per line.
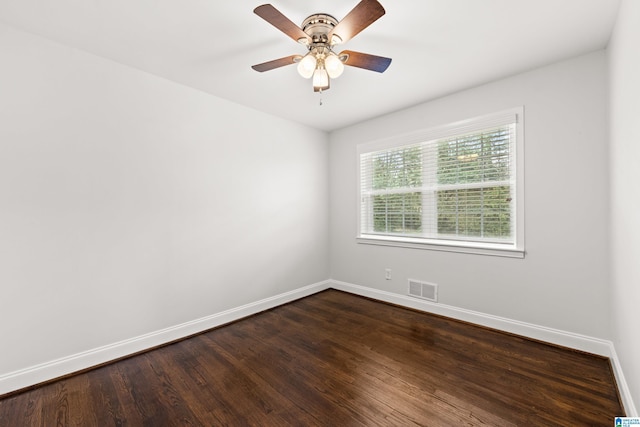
{"x":513,"y":250}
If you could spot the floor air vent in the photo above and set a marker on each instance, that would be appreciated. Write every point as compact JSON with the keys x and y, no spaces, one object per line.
{"x":424,"y":290}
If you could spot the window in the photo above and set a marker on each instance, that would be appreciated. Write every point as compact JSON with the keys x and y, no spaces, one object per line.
{"x":456,"y":188}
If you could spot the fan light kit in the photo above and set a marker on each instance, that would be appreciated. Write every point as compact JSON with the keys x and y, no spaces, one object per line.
{"x":320,"y":33}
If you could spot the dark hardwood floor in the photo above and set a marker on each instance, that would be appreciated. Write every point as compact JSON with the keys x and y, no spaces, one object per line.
{"x":333,"y":359}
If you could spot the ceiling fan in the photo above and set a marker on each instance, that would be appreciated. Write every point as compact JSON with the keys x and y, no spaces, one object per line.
{"x":320,"y":32}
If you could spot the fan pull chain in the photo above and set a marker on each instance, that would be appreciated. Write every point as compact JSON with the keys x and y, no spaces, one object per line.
{"x":321,"y":97}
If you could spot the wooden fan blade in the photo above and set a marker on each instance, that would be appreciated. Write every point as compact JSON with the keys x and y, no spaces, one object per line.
{"x":276,"y":63}
{"x":364,"y":14}
{"x":366,"y":61}
{"x":274,"y":17}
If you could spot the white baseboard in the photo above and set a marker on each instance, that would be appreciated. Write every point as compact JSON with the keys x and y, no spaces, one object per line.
{"x":554,"y":336}
{"x":623,"y":387}
{"x":77,"y":362}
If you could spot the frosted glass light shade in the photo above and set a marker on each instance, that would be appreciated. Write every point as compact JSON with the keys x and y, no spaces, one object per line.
{"x":307,"y":65}
{"x":334,"y":66}
{"x":320,"y":79}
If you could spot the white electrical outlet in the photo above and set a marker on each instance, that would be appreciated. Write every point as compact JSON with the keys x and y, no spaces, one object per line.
{"x":387,"y":274}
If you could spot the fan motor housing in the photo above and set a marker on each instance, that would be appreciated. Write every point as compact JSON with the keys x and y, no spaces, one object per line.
{"x":318,"y":26}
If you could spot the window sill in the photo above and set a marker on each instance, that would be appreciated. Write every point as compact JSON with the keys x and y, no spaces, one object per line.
{"x":490,"y":249}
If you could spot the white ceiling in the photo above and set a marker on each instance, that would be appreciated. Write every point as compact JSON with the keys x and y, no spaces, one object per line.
{"x":438,"y":46}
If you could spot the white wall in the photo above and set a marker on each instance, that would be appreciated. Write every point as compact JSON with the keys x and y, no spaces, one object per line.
{"x":563,"y":281}
{"x":625,"y":192}
{"x":129,"y":203}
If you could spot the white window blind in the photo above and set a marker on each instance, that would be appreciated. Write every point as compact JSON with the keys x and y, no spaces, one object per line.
{"x":454,"y":186}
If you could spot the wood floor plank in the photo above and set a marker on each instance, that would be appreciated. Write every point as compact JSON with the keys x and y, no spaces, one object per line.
{"x":398,"y":383}
{"x":333,"y":359}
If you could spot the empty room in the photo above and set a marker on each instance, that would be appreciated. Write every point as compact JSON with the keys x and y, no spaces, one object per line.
{"x":330,"y":213}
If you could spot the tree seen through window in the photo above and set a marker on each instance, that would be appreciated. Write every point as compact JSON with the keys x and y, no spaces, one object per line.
{"x":466,"y":178}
